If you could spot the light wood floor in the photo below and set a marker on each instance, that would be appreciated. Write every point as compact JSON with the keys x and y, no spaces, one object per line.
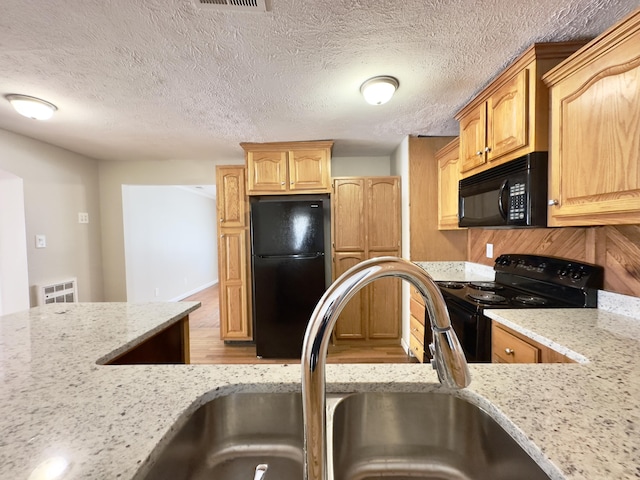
{"x":207,"y":348}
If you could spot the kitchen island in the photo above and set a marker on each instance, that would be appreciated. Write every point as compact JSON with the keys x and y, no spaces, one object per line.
{"x":58,"y":399}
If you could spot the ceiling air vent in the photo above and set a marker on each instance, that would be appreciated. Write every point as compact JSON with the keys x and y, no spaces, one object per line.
{"x":234,"y":5}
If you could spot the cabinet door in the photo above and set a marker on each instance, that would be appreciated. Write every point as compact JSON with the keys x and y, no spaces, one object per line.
{"x":448,"y":178}
{"x":234,"y":315}
{"x":230,"y":198}
{"x":507,"y":117}
{"x":595,"y":140}
{"x":309,"y":171}
{"x":347,"y":216}
{"x":385,"y":314}
{"x":351,"y":324}
{"x":473,"y":138}
{"x":383,"y":214}
{"x":267,"y":171}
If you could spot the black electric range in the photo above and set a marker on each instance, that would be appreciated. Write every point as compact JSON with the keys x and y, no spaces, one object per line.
{"x":521,"y":281}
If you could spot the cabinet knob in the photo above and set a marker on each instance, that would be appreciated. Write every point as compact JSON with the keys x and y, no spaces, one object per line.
{"x":282,"y":183}
{"x":487,"y":149}
{"x":553,"y":202}
{"x":221,"y":220}
{"x":479,"y":152}
{"x":509,"y":351}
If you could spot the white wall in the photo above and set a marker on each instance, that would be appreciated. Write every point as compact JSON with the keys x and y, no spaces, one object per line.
{"x":14,"y":279}
{"x":58,"y":184}
{"x":360,"y":166}
{"x":170,"y":242}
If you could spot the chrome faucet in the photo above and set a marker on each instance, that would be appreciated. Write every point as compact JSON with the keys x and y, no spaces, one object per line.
{"x":448,"y":357}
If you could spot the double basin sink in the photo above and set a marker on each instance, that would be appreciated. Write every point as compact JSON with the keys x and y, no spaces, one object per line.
{"x":370,"y":435}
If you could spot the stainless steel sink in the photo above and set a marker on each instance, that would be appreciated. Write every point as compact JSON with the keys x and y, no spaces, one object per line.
{"x":228,"y":437}
{"x":395,"y":436}
{"x":423,"y":436}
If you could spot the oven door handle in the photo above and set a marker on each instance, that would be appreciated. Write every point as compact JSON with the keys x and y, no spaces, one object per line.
{"x":501,"y":207}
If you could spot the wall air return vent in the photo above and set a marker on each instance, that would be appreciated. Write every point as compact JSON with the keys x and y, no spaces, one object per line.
{"x":60,"y":292}
{"x":233,"y":5}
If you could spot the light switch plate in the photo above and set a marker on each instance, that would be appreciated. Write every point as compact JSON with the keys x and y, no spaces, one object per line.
{"x":41,"y":241}
{"x":489,"y":250}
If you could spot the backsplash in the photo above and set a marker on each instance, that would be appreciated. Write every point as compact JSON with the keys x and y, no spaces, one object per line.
{"x":616,"y":248}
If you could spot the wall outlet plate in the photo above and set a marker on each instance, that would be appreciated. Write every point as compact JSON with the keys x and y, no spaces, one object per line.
{"x":83,"y":217}
{"x":41,"y":241}
{"x":489,"y":250}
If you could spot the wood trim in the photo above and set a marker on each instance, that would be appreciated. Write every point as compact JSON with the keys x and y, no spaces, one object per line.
{"x":599,"y":46}
{"x":312,"y":145}
{"x":546,"y":51}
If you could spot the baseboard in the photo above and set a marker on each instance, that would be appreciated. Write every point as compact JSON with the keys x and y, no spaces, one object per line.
{"x":182,"y":296}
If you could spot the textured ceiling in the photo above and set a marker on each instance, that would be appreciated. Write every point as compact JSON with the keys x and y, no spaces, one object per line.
{"x":166,"y":79}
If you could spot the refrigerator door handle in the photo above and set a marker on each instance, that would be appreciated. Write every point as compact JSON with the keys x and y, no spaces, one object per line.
{"x":300,"y":255}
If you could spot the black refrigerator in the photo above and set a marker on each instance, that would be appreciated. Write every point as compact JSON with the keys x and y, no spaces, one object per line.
{"x":288,"y":269}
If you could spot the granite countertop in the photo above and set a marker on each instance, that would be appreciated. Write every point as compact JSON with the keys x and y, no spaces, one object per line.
{"x":579,"y":421}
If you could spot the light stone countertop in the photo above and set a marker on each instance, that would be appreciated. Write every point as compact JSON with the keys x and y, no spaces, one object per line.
{"x":579,"y":421}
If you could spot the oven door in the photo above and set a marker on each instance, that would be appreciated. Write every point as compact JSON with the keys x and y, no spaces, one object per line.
{"x":472,"y":329}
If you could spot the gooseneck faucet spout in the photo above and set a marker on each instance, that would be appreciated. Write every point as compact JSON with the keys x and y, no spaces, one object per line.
{"x":448,"y":357}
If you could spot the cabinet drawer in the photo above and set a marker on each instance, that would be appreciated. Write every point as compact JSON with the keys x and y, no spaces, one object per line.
{"x":509,"y":349}
{"x":417,"y":348}
{"x":417,"y":310}
{"x":417,"y":296}
{"x":416,"y":326}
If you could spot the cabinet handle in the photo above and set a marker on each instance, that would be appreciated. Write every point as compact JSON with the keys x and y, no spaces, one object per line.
{"x":509,"y":351}
{"x":553,"y":202}
{"x":487,"y":149}
{"x":479,"y":152}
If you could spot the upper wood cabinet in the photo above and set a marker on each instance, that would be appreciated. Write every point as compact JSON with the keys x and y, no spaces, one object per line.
{"x":595,"y":131}
{"x":291,"y":167}
{"x":348,"y":214}
{"x":509,"y":118}
{"x":448,"y":177}
{"x":231,"y":198}
{"x":233,"y":254}
{"x":383,"y":213}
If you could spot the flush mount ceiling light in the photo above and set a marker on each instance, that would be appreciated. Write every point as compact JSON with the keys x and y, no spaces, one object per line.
{"x":379,"y":90}
{"x":32,"y":107}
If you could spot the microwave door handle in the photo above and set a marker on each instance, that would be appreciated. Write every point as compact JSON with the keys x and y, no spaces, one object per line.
{"x":503,"y":189}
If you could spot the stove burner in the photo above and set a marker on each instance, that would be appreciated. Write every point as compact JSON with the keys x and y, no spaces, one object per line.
{"x":486,"y":286}
{"x":452,"y":285}
{"x":530,"y":300}
{"x":489,"y":298}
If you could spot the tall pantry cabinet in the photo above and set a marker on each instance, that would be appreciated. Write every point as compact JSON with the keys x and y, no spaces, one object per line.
{"x":233,"y":252}
{"x":366,"y":224}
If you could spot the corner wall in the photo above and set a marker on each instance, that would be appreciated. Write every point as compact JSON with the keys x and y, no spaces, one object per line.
{"x":58,"y":184}
{"x":115,"y":174}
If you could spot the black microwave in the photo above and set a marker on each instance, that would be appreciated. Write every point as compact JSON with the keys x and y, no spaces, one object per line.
{"x":513,"y":194}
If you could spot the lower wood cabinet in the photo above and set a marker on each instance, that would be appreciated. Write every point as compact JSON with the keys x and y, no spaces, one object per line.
{"x":235,"y":323}
{"x":417,"y":326}
{"x":509,"y":346}
{"x":366,"y":224}
{"x":170,"y":345}
{"x":233,"y":254}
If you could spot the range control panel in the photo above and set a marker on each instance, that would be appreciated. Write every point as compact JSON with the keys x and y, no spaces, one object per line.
{"x":551,"y":269}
